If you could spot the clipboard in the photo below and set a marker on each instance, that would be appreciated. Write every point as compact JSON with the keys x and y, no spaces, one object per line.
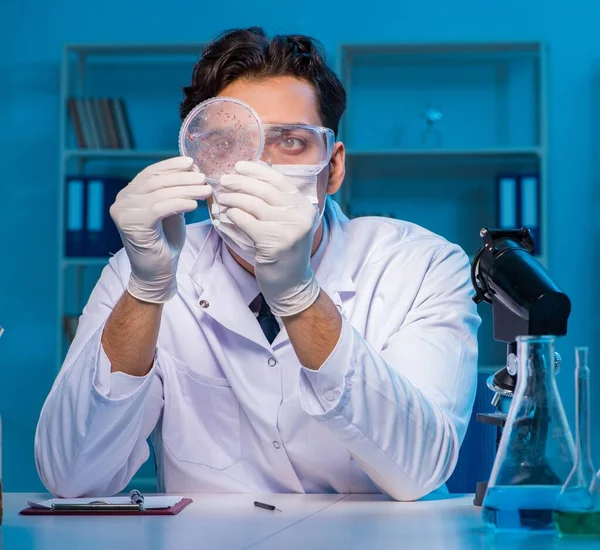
{"x":107,"y":510}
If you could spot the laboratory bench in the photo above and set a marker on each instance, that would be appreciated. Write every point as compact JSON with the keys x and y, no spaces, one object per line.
{"x":307,"y":522}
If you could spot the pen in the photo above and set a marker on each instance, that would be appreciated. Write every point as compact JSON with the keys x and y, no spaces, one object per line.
{"x":265,"y":506}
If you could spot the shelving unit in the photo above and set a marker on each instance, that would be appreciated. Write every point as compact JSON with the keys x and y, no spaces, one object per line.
{"x":493,"y":101}
{"x":150,"y":77}
{"x":388,"y":164}
{"x":112,"y":71}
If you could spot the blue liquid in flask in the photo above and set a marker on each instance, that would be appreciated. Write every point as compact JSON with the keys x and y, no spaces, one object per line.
{"x":520,"y":507}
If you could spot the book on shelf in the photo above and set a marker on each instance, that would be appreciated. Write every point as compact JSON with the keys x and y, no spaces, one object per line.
{"x":123,"y":125}
{"x":76,"y":115}
{"x":92,"y":125}
{"x":111,"y":127}
{"x":100,"y":123}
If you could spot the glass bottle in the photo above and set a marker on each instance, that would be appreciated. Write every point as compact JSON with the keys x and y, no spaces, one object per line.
{"x":536,"y":452}
{"x":431,"y":136}
{"x":577,"y":511}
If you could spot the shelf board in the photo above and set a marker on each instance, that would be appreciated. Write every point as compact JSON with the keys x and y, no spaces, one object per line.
{"x":131,"y":154}
{"x":444,"y":48}
{"x":84,"y":262}
{"x":135,"y":49}
{"x":448,"y":153}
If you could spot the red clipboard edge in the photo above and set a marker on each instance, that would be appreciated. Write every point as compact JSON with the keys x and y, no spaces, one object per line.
{"x":172,"y":511}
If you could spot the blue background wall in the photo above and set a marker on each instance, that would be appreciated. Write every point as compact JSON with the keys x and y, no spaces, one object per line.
{"x":31,"y":38}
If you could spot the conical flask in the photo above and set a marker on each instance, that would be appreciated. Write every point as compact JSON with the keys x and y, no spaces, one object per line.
{"x":536,"y":452}
{"x":578,"y":507}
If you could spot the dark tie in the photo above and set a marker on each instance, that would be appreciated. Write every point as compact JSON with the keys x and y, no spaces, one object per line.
{"x":267,"y":320}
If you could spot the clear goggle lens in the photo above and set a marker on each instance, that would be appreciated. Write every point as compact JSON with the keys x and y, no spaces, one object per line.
{"x":298,"y":145}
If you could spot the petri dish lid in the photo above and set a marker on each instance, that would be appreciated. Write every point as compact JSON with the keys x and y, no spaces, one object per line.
{"x":219,"y":132}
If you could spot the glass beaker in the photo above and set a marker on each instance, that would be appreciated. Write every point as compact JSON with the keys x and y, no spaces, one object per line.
{"x":577,"y":511}
{"x":536,"y":452}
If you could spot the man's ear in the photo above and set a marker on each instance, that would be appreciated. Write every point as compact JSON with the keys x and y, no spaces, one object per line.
{"x":337,"y":168}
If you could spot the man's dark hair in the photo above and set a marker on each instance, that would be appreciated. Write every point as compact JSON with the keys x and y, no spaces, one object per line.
{"x":250,"y":54}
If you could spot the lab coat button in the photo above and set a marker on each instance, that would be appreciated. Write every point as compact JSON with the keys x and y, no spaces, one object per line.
{"x":276,"y":444}
{"x":339,"y":306}
{"x":332,"y":395}
{"x":203,"y":303}
{"x":272,"y":361}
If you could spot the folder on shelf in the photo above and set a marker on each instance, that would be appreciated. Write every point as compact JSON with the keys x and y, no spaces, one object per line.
{"x":90,"y":231}
{"x":101,"y":235}
{"x":74,"y":234}
{"x":530,"y":207}
{"x":507,"y":202}
{"x":518,"y":204}
{"x":116,"y":506}
{"x":95,"y":218}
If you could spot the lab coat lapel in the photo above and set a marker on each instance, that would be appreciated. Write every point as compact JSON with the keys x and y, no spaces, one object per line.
{"x":218,"y":294}
{"x":333,"y":273}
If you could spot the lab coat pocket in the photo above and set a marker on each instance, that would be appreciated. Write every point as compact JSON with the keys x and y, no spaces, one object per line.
{"x":202,"y":418}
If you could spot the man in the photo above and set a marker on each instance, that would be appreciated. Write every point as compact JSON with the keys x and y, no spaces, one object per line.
{"x":339,"y":356}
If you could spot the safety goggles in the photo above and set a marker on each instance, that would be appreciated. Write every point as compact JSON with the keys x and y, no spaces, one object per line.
{"x":222,"y":131}
{"x":298,"y":145}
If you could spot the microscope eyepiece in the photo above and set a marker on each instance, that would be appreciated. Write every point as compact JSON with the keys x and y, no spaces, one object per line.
{"x":525,"y":300}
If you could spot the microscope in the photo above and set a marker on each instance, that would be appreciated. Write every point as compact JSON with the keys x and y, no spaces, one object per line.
{"x":525,"y":301}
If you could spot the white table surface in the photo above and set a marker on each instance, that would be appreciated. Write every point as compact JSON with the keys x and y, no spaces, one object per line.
{"x":310,"y":522}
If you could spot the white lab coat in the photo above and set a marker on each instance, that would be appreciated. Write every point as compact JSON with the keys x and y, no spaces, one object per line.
{"x":228,"y":412}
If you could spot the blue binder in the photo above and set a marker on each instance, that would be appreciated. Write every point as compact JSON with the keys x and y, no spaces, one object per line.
{"x":518,"y":204}
{"x":74,"y":214}
{"x":90,"y":229}
{"x":507,"y":202}
{"x":530,"y":207}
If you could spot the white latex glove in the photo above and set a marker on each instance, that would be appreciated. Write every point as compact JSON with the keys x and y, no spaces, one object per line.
{"x":281,"y":223}
{"x":149,"y":216}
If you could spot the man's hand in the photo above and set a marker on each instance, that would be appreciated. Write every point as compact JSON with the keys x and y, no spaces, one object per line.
{"x":149,"y":216}
{"x":268,"y":207}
